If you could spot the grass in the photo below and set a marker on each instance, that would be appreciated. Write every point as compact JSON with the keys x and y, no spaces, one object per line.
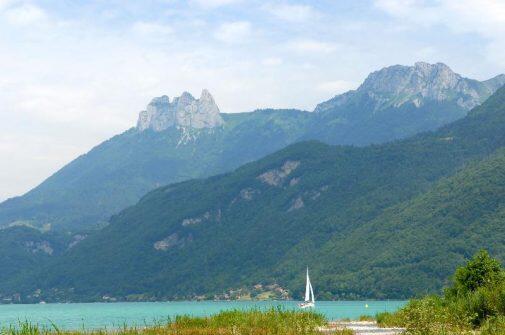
{"x":343,"y":332}
{"x":366,"y":318}
{"x":235,"y":322}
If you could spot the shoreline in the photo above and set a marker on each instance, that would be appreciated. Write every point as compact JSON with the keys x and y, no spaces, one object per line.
{"x":359,"y":328}
{"x":111,"y":302}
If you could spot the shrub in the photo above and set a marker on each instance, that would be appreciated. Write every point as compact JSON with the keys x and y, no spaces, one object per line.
{"x":480,"y":271}
{"x":366,"y":318}
{"x":431,"y":315}
{"x":494,"y":326}
{"x":387,"y":319}
{"x":475,"y":299}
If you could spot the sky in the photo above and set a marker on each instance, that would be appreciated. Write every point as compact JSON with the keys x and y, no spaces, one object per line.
{"x":74,"y":73}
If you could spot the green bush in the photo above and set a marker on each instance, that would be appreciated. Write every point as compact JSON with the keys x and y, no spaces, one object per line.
{"x":366,"y":318}
{"x":431,"y":315}
{"x":480,"y":271}
{"x":387,"y":319}
{"x":494,"y":326}
{"x":476,"y":300}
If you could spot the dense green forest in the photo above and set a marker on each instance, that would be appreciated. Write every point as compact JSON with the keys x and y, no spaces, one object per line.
{"x":25,"y":248}
{"x":385,"y":221}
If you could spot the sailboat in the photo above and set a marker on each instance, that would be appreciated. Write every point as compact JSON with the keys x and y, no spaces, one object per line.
{"x":310,"y":301}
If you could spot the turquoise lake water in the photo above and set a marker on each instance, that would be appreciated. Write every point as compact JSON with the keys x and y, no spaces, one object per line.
{"x":113,"y":315}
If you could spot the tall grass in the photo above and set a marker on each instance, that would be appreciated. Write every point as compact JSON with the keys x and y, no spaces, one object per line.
{"x":235,"y":322}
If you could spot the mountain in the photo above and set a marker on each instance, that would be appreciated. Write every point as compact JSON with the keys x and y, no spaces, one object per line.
{"x":417,"y":243}
{"x":380,"y":221}
{"x":399,"y":101}
{"x":115,"y":174}
{"x":23,"y":248}
{"x":184,"y":137}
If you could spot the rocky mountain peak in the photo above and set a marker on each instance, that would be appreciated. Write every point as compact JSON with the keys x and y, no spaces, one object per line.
{"x":185,"y":98}
{"x":429,"y":68}
{"x":183,"y":112}
{"x":397,"y":85}
{"x":427,"y":80}
{"x":206,"y":96}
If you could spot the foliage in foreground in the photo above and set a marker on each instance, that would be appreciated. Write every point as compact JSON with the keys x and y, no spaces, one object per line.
{"x":254,"y":322}
{"x":475,"y":301}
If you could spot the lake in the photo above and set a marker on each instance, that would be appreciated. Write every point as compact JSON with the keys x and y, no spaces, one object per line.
{"x":113,"y":315}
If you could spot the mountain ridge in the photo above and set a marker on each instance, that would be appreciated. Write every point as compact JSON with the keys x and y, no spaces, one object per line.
{"x":189,"y":138}
{"x":414,"y":83}
{"x":305,"y":204}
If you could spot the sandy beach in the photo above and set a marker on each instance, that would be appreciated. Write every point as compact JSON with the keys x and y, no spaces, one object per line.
{"x":360,"y":328}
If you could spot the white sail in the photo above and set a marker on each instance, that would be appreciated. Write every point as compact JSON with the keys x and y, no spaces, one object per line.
{"x":308,"y":287}
{"x":313,"y":298}
{"x":309,"y":294}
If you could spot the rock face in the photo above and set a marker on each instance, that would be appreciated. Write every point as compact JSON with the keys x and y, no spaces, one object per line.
{"x":35,"y":247}
{"x":397,"y":85}
{"x":276,"y":176}
{"x":173,"y":240}
{"x":183,"y":112}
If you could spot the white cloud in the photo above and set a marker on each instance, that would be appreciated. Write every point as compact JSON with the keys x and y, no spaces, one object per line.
{"x":272,"y":61}
{"x":335,"y":86}
{"x":5,"y":3}
{"x":396,"y":7}
{"x":214,"y":3}
{"x":483,"y":17}
{"x":25,"y":14}
{"x":232,"y":32}
{"x":311,"y":46}
{"x":292,"y":12}
{"x":31,"y":157}
{"x":142,"y":27}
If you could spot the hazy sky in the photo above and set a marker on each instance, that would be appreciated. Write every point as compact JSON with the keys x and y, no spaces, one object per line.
{"x":74,"y":73}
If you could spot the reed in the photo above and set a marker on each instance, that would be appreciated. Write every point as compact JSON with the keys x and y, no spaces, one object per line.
{"x":253,"y":322}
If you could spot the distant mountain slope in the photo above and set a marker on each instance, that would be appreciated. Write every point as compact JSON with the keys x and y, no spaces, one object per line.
{"x":118,"y":172}
{"x":417,"y":244}
{"x":400,"y":101}
{"x":182,"y":138}
{"x":360,"y":217}
{"x":25,"y":248}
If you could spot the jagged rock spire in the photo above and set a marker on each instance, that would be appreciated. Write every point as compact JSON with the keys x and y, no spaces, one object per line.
{"x":184,"y":111}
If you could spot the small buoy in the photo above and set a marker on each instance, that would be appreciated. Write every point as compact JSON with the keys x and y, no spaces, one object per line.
{"x":366,"y":305}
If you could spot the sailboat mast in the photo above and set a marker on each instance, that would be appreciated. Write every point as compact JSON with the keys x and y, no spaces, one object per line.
{"x":307,"y":287}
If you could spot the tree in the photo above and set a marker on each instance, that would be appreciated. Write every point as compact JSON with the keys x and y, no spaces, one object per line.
{"x":481,"y":271}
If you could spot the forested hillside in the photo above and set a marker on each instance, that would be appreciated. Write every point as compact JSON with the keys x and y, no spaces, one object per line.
{"x":371,"y":222}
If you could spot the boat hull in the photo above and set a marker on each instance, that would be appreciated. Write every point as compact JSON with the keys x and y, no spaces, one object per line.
{"x":307,"y":304}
